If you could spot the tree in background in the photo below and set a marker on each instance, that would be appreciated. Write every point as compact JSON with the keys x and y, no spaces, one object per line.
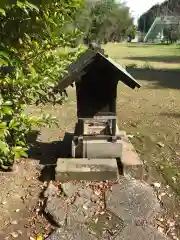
{"x":132,"y":33}
{"x":105,"y":21}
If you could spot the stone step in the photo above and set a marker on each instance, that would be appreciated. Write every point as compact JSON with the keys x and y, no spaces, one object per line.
{"x":68,"y":169}
{"x":130,"y":161}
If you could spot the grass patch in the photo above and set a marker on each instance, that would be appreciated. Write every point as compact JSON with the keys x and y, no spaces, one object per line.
{"x":151,"y":114}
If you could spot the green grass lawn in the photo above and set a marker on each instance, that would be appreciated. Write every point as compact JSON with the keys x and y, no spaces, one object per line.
{"x":159,"y":56}
{"x":152,"y":114}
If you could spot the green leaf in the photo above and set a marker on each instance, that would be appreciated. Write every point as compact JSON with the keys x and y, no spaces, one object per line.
{"x":8,"y":103}
{"x":13,"y":124}
{"x":5,"y":55}
{"x":3,"y":125}
{"x":20,"y":4}
{"x":2,"y":12}
{"x":7,"y":110}
{"x":24,"y":154}
{"x":19,"y":151}
{"x":3,"y":62}
{"x":32,"y":6}
{"x":4,"y":147}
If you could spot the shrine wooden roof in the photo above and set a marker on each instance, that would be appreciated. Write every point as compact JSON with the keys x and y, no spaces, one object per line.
{"x":80,"y":67}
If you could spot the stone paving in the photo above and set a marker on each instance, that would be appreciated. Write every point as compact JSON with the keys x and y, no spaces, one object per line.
{"x":122,"y":210}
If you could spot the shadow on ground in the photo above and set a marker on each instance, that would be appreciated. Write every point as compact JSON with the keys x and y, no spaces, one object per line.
{"x":140,"y":45}
{"x":47,"y":154}
{"x":167,"y":78}
{"x":165,"y":59}
{"x":171,"y":115}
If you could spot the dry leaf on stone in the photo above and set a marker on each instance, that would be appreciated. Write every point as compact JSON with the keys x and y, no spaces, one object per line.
{"x":19,"y":232}
{"x":14,"y":222}
{"x":157,"y":185}
{"x":160,"y":229}
{"x":14,"y":234}
{"x":96,"y":220}
{"x":174,"y":179}
{"x":130,"y":136}
{"x":161,"y":195}
{"x":97,"y":192}
{"x":171,"y":223}
{"x":85,"y":207}
{"x":102,"y":213}
{"x":160,"y":144}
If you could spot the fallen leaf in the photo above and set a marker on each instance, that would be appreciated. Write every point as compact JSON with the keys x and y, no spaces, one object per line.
{"x":161,"y":195}
{"x":171,"y":223}
{"x":160,"y":144}
{"x":14,"y":234}
{"x":102,"y":213}
{"x":85,"y":207}
{"x":156,"y":184}
{"x":19,"y":232}
{"x":14,"y":222}
{"x":98,"y":193}
{"x":130,"y":136}
{"x":174,"y":179}
{"x":96,"y":220}
{"x":160,"y":229}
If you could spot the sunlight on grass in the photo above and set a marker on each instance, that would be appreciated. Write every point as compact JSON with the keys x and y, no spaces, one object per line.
{"x":158,"y":56}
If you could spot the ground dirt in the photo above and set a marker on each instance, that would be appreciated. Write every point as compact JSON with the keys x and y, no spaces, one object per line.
{"x":150,"y":116}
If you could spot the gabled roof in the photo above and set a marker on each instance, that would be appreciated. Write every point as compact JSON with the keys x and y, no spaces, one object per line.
{"x":77,"y":69}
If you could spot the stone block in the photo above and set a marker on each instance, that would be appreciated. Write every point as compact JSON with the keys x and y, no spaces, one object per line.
{"x":132,"y":232}
{"x":86,"y":169}
{"x":70,"y":188}
{"x":129,"y":161}
{"x":51,"y":191}
{"x":133,"y":200}
{"x":56,"y":209}
{"x":77,"y":232}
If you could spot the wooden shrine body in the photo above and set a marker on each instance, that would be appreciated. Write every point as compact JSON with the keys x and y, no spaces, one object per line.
{"x":96,"y":77}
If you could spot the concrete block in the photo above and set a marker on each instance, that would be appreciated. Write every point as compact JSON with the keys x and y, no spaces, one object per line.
{"x":86,"y":169}
{"x":129,"y":155}
{"x":132,"y":165}
{"x":129,"y":160}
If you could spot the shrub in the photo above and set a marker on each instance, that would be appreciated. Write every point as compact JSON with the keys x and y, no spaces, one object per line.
{"x":31,"y":66}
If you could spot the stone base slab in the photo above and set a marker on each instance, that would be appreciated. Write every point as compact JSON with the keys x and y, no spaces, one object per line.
{"x":86,"y":169}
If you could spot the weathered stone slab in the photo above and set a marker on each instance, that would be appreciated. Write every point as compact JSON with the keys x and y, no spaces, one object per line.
{"x":51,"y":191}
{"x":80,"y":212}
{"x":133,"y":232}
{"x":70,"y":188}
{"x":56,"y":209}
{"x":129,"y":155}
{"x":106,"y":226}
{"x":86,"y":169}
{"x":130,"y":162}
{"x":120,"y":133}
{"x":132,"y":200}
{"x":88,"y":193}
{"x":78,"y":232}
